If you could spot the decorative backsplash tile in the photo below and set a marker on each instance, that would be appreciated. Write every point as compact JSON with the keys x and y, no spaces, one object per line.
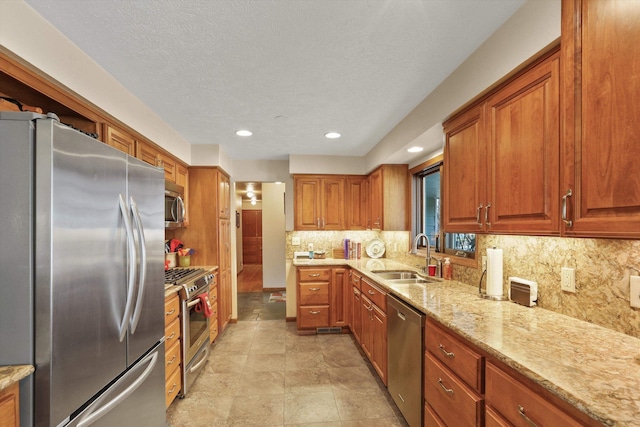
{"x":602,"y":269}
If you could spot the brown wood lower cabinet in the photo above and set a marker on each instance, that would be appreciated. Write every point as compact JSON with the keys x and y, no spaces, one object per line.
{"x":355,"y":311}
{"x":518,"y":404}
{"x":10,"y":406}
{"x":173,"y":359}
{"x":213,"y":300}
{"x":373,"y":337}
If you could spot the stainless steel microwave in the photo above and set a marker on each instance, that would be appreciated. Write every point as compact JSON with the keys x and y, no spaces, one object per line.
{"x":174,"y":208}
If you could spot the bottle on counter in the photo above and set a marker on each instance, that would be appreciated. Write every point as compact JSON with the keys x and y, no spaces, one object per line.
{"x":447,"y":269}
{"x":310,"y":250}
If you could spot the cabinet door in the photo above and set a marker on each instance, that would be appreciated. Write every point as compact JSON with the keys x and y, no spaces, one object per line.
{"x":377,"y":190}
{"x":224,"y":201}
{"x":307,"y":203}
{"x":120,"y":140}
{"x":10,"y":406}
{"x":332,"y":213}
{"x":356,"y":314}
{"x":601,"y":101}
{"x":524,"y":142}
{"x":357,"y":203}
{"x":465,"y":172}
{"x":366,"y":335}
{"x":339,"y":313}
{"x":379,"y":349}
{"x":224,"y":267}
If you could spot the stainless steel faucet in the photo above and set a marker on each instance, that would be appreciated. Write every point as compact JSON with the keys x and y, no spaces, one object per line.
{"x":414,"y":249}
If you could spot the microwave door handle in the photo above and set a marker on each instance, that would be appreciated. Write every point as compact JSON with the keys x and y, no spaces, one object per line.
{"x":182,"y":212}
{"x":142,"y":244}
{"x":131,"y":251}
{"x":174,"y":209}
{"x":106,"y":408}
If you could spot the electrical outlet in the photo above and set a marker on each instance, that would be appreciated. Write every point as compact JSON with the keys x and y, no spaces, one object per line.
{"x":634,"y":291}
{"x":484,"y":263}
{"x":568,"y":279}
{"x":295,"y":241}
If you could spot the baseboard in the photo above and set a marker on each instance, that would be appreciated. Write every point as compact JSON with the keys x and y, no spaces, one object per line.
{"x":273,"y":289}
{"x":291,"y":319}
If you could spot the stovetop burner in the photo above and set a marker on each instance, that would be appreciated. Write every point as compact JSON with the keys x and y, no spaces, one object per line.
{"x":177,"y":276}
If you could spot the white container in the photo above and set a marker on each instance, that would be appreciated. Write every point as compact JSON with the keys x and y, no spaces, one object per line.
{"x":171,"y":257}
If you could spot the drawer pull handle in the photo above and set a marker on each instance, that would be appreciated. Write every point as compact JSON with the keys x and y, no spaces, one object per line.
{"x":446,"y":390}
{"x":171,"y":336}
{"x":371,"y":292}
{"x":446,"y":353}
{"x":524,"y":416}
{"x":314,"y":289}
{"x":169,"y":313}
{"x":314,"y":275}
{"x":173,"y":359}
{"x":313,"y":312}
{"x":172,"y":388}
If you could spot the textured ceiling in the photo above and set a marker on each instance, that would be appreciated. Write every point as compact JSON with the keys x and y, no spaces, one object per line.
{"x":288,"y":70}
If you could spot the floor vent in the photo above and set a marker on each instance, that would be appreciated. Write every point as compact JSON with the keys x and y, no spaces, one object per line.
{"x":336,"y":330}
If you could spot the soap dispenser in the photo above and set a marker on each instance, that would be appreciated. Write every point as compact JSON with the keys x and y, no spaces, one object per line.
{"x":446,"y":269}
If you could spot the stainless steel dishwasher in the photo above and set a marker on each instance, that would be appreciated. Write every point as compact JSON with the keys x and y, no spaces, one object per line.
{"x":405,"y":338}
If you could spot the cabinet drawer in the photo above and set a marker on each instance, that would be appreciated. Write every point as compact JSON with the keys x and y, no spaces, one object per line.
{"x":517,"y":403}
{"x":356,"y":279}
{"x":314,"y":274}
{"x":213,"y":330}
{"x":313,"y":316}
{"x":213,"y":294}
{"x":171,"y":309}
{"x":453,"y":401}
{"x":172,"y":333}
{"x":172,"y":359}
{"x":431,"y":419}
{"x":313,"y":294}
{"x":493,"y":419}
{"x":172,"y":387}
{"x":456,"y":356}
{"x":376,"y":296}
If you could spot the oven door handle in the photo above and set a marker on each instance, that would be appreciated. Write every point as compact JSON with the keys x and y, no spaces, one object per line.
{"x":193,"y":303}
{"x":131,"y":251}
{"x":142,"y":244}
{"x":202,"y":361}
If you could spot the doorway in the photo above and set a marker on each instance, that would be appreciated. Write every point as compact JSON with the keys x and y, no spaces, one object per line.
{"x":250,"y":279}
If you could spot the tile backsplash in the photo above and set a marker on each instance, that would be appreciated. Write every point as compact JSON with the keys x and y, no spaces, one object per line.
{"x":602,"y":269}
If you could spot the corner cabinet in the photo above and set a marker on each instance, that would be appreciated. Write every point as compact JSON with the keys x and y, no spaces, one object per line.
{"x":389,"y":198}
{"x":502,"y":157}
{"x":601,"y":98}
{"x":319,"y":202}
{"x":358,"y":206}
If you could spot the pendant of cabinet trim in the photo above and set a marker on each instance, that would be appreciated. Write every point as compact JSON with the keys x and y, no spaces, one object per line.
{"x":502,"y":157}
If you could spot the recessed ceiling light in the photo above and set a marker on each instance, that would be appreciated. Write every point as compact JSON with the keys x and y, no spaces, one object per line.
{"x":415,"y":149}
{"x":244,"y":132}
{"x":332,"y":135}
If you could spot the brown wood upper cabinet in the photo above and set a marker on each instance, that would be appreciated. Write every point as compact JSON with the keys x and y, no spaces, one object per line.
{"x":358,"y":206}
{"x":319,"y":202}
{"x":120,"y":140}
{"x":601,"y":132}
{"x":389,"y":198}
{"x":502,"y":157}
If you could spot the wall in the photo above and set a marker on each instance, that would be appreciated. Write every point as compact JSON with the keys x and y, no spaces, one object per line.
{"x":28,"y":35}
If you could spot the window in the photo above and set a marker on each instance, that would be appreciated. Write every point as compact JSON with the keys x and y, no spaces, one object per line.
{"x":427,"y":215}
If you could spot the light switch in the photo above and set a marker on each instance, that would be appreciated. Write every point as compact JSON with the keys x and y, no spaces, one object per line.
{"x":634,"y":295}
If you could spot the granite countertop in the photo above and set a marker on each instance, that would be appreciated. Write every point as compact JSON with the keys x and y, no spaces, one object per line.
{"x":10,"y":375}
{"x":597,"y":370}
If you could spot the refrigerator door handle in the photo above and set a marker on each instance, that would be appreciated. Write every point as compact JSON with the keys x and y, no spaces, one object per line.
{"x":104,"y":409}
{"x":131,"y":250}
{"x":143,"y":264}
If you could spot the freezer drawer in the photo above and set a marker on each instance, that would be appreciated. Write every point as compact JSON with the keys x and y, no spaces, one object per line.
{"x":135,"y":399}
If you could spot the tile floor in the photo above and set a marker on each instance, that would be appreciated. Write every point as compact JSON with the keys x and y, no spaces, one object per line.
{"x":262,"y":373}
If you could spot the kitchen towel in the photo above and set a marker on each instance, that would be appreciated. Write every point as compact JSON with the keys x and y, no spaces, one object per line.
{"x":494,"y":272}
{"x":204,"y":306}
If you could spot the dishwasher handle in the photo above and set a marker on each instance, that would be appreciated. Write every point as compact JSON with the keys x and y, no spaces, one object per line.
{"x":402,"y":316}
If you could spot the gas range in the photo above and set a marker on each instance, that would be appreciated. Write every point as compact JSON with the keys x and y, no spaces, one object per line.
{"x":191,"y":280}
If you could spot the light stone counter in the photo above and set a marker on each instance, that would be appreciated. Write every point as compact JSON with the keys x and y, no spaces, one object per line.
{"x":10,"y":375}
{"x":595,"y":369}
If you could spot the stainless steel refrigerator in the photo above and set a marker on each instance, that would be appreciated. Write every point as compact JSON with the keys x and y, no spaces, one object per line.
{"x":81,"y":291}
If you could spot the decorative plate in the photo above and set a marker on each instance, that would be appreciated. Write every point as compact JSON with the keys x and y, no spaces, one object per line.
{"x":375,"y":248}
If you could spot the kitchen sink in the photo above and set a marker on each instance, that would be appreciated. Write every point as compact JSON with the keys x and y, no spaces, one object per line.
{"x":397,"y":274}
{"x":416,"y":280}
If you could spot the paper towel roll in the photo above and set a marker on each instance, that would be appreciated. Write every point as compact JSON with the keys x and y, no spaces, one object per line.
{"x":494,"y":272}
